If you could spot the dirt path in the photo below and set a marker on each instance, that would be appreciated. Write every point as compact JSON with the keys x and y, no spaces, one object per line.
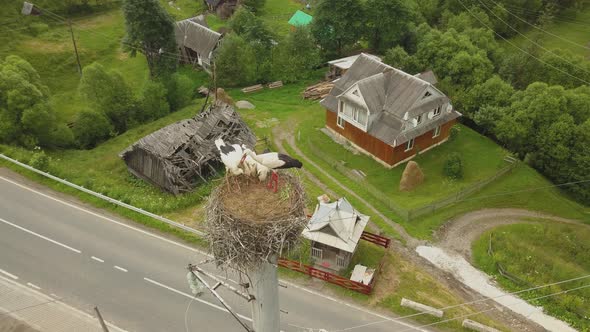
{"x":458,"y":234}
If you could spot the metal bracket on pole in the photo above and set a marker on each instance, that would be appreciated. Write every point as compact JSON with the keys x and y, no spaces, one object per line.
{"x":247,"y":297}
{"x":191,"y":268}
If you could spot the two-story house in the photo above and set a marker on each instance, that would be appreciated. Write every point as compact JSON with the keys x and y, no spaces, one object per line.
{"x":387,"y":113}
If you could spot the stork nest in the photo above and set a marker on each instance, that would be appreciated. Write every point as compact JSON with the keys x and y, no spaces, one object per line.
{"x":247,"y":223}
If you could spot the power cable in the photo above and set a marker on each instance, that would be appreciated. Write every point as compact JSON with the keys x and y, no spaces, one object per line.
{"x":536,"y":13}
{"x":492,"y":309}
{"x":522,"y":50}
{"x":540,"y":29}
{"x":467,"y":303}
{"x":532,"y":41}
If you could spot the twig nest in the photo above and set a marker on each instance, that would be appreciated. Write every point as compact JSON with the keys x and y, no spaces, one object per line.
{"x":247,"y":223}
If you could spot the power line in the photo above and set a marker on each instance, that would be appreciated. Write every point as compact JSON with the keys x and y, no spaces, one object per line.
{"x":516,"y":46}
{"x":492,"y":309}
{"x":536,"y":13}
{"x":467,"y":303}
{"x":540,"y":29}
{"x":529,"y":39}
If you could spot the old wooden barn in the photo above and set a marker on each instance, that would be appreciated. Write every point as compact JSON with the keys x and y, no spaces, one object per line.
{"x":178,"y":157}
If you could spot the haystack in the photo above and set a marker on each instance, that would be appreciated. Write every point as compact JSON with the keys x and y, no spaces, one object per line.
{"x":247,"y":223}
{"x":412,"y":177}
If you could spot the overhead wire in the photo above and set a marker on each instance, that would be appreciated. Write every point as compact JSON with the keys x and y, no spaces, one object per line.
{"x":467,"y":303}
{"x":519,"y":48}
{"x":555,"y":18}
{"x":542,"y":30}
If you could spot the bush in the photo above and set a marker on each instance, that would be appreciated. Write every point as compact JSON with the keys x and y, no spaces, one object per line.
{"x":40,"y":161}
{"x":455,"y":130}
{"x":180,"y":91}
{"x":453,"y":167}
{"x":91,"y":128}
{"x":154,"y":102}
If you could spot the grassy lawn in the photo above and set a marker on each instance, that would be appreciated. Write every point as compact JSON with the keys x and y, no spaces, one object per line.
{"x":539,"y":254}
{"x":276,"y":14}
{"x":572,"y":25}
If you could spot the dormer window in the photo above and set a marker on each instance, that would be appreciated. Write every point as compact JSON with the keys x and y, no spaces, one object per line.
{"x":427,"y":94}
{"x":437,"y":111}
{"x":419,"y":119}
{"x":356,"y":93}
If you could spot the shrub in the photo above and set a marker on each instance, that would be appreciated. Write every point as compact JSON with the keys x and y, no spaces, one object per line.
{"x":91,"y":128}
{"x":180,"y":91}
{"x":453,"y":167}
{"x":40,"y":161}
{"x":154,"y":104}
{"x":455,"y":130}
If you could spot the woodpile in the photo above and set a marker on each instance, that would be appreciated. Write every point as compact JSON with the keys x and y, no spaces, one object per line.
{"x":275,"y":85}
{"x":253,"y":88}
{"x":318,"y":91}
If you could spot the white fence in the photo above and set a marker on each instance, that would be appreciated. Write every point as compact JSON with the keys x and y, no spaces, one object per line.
{"x":106,"y":198}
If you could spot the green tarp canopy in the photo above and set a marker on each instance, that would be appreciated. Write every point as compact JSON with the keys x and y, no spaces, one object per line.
{"x":300,"y":19}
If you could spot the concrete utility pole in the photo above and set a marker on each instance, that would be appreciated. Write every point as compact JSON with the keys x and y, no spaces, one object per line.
{"x":75,"y":47}
{"x":102,"y":323}
{"x":265,"y":306}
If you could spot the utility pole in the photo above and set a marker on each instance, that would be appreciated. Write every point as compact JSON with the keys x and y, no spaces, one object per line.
{"x":102,"y":323}
{"x":75,"y":47}
{"x":265,"y":305}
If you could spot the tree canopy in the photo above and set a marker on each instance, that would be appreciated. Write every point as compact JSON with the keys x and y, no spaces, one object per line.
{"x":235,"y":62}
{"x":338,"y":24}
{"x":388,"y":21}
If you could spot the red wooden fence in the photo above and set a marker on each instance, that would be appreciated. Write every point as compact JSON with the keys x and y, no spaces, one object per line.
{"x":377,"y":239}
{"x":327,"y":276}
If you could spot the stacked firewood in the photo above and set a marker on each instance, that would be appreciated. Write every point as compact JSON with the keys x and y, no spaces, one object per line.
{"x":318,"y":91}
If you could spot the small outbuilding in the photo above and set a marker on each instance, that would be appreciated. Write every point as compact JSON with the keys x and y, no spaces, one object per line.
{"x":179,"y":156}
{"x":300,"y":19}
{"x":196,"y":42}
{"x":334,"y":231}
{"x":339,"y":67}
{"x":223,"y":8}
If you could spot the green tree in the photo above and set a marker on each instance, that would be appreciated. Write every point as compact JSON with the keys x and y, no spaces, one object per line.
{"x":337,"y":24}
{"x":253,"y":5}
{"x":388,"y":21}
{"x":108,"y":93}
{"x":296,"y":56}
{"x":150,"y":30}
{"x":26,"y":116}
{"x":398,"y":58}
{"x":453,"y":167}
{"x":153,"y":102}
{"x":493,"y":92}
{"x":236,"y":62}
{"x":91,"y":128}
{"x":180,"y":91}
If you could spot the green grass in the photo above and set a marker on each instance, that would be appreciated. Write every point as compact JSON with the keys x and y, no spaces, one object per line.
{"x":215,"y":23}
{"x":539,"y":254}
{"x":276,"y":14}
{"x":572,"y":25}
{"x":183,"y":8}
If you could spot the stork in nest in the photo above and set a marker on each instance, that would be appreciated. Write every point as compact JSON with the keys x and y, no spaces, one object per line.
{"x":231,"y":157}
{"x":272,"y":161}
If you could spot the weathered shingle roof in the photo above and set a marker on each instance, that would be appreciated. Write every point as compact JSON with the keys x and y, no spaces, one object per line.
{"x":389,"y":93}
{"x":195,"y":36}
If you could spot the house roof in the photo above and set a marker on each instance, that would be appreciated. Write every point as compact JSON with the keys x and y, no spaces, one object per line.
{"x":192,"y":34}
{"x":428,"y":76}
{"x":337,"y":225}
{"x":300,"y":19}
{"x":345,"y":63}
{"x":389,"y":94}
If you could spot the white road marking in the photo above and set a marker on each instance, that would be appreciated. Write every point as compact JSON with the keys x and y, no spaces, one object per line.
{"x":97,"y":259}
{"x":8,"y":274}
{"x":120,"y":268}
{"x":197,"y":251}
{"x":33,"y":286}
{"x":40,"y":236}
{"x":191,"y":297}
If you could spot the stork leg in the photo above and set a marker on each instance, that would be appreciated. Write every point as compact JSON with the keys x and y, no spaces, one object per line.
{"x":274,"y":178}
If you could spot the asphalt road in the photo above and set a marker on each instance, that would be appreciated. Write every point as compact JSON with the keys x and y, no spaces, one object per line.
{"x":136,"y":278}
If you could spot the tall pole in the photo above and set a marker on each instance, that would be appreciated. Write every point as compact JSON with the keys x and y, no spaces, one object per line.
{"x":102,"y":323}
{"x":75,"y":47}
{"x":265,"y":306}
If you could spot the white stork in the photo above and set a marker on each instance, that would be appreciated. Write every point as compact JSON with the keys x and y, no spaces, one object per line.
{"x":231,"y":156}
{"x":273,"y":160}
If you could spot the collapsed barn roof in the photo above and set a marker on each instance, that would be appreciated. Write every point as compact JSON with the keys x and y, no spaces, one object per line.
{"x":181,"y":155}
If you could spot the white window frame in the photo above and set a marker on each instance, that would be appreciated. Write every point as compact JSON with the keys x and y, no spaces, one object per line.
{"x":437,"y":111}
{"x":410,"y":144}
{"x":340,"y":122}
{"x":419,"y":119}
{"x":437,"y":131}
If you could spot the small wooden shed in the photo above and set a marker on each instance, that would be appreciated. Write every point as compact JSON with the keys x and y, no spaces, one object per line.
{"x":179,"y":156}
{"x":334,"y":231}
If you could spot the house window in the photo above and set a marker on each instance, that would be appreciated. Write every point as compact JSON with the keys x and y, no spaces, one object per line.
{"x":356,"y":93}
{"x":427,"y":94}
{"x":436,"y":132}
{"x":348,"y":110}
{"x":360,"y":116}
{"x":437,"y":111}
{"x":340,"y":122}
{"x":410,"y":145}
{"x":419,"y":119}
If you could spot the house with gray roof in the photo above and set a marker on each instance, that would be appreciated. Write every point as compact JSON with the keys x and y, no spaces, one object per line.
{"x":387,"y":113}
{"x":196,"y":42}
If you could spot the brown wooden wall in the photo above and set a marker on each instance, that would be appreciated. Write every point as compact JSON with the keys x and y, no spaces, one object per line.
{"x":380,"y":149}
